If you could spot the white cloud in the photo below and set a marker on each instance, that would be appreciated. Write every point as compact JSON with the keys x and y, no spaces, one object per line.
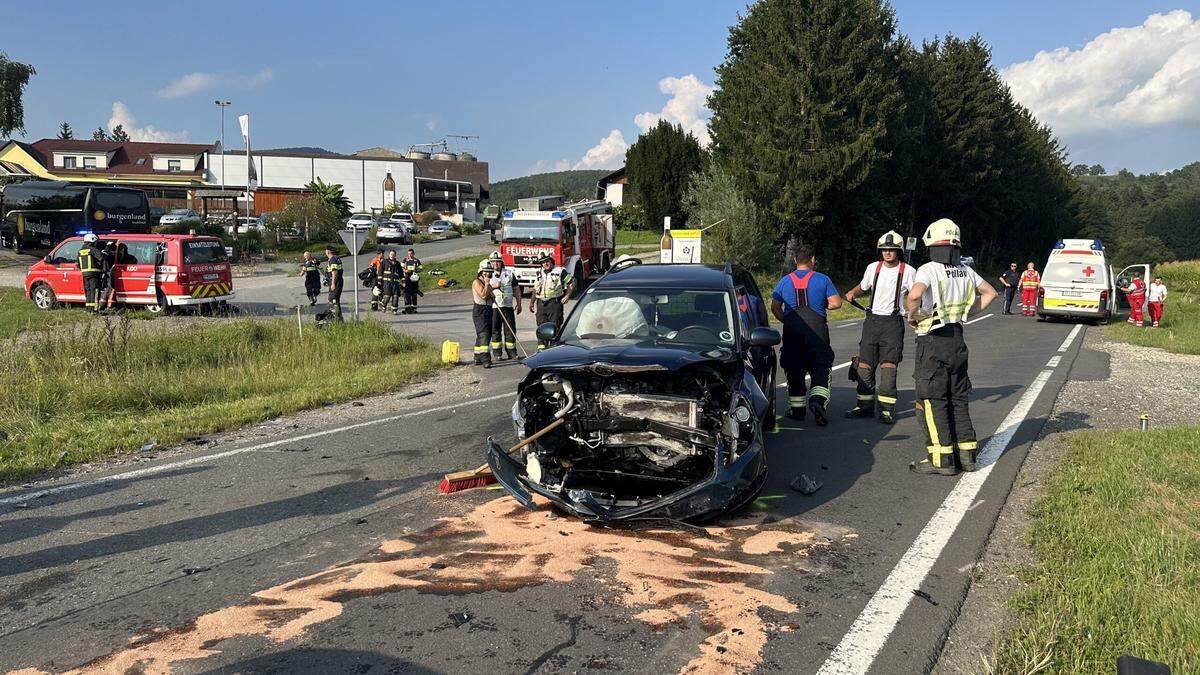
{"x":545,"y":166}
{"x":122,"y":116}
{"x":607,"y":154}
{"x":687,"y":107}
{"x":1126,"y":79}
{"x":196,"y":82}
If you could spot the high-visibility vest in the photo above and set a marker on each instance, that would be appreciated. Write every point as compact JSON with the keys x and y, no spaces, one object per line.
{"x":1030,"y":279}
{"x":88,"y":260}
{"x":552,"y":284}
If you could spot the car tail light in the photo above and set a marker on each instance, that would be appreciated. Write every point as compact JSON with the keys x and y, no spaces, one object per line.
{"x":1103,"y":297}
{"x":1041,"y":293}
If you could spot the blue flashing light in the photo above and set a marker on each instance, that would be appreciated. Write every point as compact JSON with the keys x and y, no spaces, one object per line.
{"x":1096,"y":245}
{"x":82,"y":232}
{"x":1060,"y":245}
{"x":559,"y":214}
{"x":508,"y":214}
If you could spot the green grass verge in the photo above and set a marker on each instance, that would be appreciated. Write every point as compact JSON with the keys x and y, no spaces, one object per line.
{"x":1180,"y":329}
{"x":1116,"y":533}
{"x":462,"y":270}
{"x":18,"y":313}
{"x":638,"y":237}
{"x":101,"y":390}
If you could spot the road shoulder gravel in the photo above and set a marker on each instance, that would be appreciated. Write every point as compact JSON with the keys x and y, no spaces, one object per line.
{"x":1111,"y":385}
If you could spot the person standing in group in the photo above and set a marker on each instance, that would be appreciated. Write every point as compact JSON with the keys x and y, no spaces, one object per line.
{"x":112,"y":257}
{"x":801,"y":302}
{"x":310,"y":269}
{"x":411,"y":282}
{"x":1030,"y":280}
{"x":90,"y":260}
{"x":390,"y":273}
{"x":552,"y":286}
{"x":1157,"y":296}
{"x":882,"y":344}
{"x":1135,"y":293}
{"x":372,"y":273}
{"x":942,"y":295}
{"x":1011,"y":280}
{"x":333,"y":266}
{"x":507,"y":293}
{"x":481,"y":312}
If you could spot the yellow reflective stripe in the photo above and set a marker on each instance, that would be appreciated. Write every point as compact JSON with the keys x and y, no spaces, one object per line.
{"x":938,"y":454}
{"x":494,"y":345}
{"x":866,"y":397}
{"x":795,"y":401}
{"x":968,"y":445}
{"x":887,"y":399}
{"x":819,"y":391}
{"x":481,"y":349}
{"x":930,"y":425}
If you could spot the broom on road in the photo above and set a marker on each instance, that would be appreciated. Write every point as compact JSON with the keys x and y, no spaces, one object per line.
{"x":482,"y":475}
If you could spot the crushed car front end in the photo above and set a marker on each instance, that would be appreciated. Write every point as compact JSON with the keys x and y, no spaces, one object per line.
{"x":645,"y":433}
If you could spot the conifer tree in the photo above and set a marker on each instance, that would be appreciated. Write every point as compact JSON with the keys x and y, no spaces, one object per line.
{"x":659,"y":166}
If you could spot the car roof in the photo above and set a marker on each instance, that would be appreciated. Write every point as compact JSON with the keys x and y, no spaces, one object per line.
{"x":673,"y":276}
{"x":146,"y":237}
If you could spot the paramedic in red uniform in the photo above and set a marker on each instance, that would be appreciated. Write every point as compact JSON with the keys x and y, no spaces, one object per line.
{"x":1030,"y":280}
{"x":1135,"y":293}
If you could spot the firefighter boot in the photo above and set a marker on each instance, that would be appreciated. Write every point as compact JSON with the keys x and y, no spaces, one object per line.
{"x":966,"y":452}
{"x":940,"y":462}
{"x":864,"y":379}
{"x":818,"y":397}
{"x":886,"y":395}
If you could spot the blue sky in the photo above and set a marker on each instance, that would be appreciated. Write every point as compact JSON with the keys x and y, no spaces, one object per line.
{"x":543,"y":83}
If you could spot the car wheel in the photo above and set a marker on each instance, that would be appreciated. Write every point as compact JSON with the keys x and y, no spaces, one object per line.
{"x":769,"y":419}
{"x":44,"y":298}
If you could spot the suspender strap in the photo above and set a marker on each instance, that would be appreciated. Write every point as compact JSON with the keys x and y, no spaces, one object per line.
{"x":899,"y":278}
{"x":801,"y":286}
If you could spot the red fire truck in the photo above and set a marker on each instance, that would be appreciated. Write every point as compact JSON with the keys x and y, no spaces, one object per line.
{"x":579,"y":236}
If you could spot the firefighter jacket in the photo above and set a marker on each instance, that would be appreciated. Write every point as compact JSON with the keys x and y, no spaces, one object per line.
{"x":90,"y":259}
{"x":552,"y":284}
{"x":504,"y":288}
{"x":949,"y":294}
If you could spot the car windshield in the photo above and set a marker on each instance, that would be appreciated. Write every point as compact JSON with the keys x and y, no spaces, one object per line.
{"x":650,"y":317}
{"x":203,"y":251}
{"x":179,"y":212}
{"x":531,"y":230}
{"x":1075,"y":272}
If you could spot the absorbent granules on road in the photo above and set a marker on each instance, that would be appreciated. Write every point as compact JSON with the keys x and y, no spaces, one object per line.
{"x":667,"y":577}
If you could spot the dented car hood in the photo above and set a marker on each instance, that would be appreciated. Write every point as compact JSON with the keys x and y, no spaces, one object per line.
{"x":625,"y":358}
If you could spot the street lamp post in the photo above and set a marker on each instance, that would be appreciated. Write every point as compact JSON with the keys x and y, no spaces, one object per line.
{"x":223,"y":105}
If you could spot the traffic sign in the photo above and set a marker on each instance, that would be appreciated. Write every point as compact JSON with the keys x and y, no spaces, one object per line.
{"x":910,"y":244}
{"x":353,"y":239}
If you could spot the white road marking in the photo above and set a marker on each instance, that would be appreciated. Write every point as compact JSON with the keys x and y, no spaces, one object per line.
{"x":1070,"y":338}
{"x":1054,"y":361}
{"x":978,"y":318}
{"x":870,"y":631}
{"x":150,"y":471}
{"x":832,"y":370}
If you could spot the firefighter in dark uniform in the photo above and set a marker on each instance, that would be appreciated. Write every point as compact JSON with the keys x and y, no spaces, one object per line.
{"x":508,"y":305}
{"x":333,"y":267}
{"x":411,"y":282}
{"x":389,"y":276}
{"x":800,"y":302}
{"x":372,"y":274}
{"x":552,"y":285}
{"x":481,"y":312}
{"x":310,"y":269}
{"x":882,"y":344}
{"x":942,"y":294}
{"x":90,"y":260}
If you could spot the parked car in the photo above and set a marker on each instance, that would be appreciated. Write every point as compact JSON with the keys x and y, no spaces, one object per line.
{"x":245,"y":224}
{"x":665,"y":390}
{"x":402,"y":217}
{"x":178,"y":216}
{"x":393,"y":232}
{"x":360,"y":221}
{"x":157,"y":271}
{"x":440,"y":227}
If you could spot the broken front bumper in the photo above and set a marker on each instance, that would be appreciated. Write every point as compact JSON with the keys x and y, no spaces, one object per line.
{"x":727,"y":489}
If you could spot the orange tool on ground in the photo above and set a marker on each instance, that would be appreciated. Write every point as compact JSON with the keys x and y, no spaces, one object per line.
{"x":482,"y":475}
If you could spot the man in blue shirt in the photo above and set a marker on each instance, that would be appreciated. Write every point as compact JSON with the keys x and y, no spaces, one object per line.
{"x":801,"y":302}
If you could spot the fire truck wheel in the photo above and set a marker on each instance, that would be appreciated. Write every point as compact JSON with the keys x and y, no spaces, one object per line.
{"x":44,"y":298}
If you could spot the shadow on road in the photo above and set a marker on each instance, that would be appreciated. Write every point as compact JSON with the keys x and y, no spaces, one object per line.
{"x":327,"y":501}
{"x":317,"y":660}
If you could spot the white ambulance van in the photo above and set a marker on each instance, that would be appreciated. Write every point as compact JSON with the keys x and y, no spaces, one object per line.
{"x":1078,"y":282}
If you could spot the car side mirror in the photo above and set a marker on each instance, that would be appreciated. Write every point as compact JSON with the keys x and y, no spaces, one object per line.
{"x":764,"y":337}
{"x":547,"y":331}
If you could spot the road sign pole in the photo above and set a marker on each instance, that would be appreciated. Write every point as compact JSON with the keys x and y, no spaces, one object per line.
{"x":354,"y":281}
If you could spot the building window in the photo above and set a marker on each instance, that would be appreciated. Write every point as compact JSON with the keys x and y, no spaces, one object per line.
{"x":174,"y":166}
{"x":68,"y":162}
{"x":89,"y":162}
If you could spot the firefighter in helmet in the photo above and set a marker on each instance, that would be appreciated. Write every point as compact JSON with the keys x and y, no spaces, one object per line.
{"x":507,"y":294}
{"x":942,"y":294}
{"x":882,"y":344}
{"x":481,"y":312}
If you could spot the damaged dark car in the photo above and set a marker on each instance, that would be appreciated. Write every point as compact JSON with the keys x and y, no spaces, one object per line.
{"x":652,"y":401}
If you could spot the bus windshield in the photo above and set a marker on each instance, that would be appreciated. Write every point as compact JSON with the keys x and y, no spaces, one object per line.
{"x":531,"y":230}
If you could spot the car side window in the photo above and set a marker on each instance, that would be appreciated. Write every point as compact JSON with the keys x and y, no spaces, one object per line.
{"x":67,"y":253}
{"x":139,"y":252}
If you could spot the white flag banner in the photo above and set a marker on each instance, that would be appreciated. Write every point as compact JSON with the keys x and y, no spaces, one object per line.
{"x":244,"y":121}
{"x":251,"y":170}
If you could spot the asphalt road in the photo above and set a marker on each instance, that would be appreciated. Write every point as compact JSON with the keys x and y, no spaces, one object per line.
{"x":325,"y":547}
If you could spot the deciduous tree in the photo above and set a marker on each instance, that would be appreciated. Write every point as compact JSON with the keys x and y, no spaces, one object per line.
{"x":14,"y":75}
